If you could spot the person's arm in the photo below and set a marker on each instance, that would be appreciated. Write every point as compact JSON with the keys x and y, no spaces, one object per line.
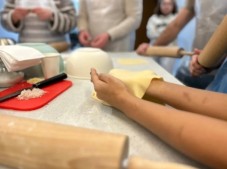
{"x":133,"y":11}
{"x":82,"y":25}
{"x":10,"y":15}
{"x":64,"y":18}
{"x":173,"y":29}
{"x":190,"y":99}
{"x":194,"y":67}
{"x":82,"y":22}
{"x":201,"y":137}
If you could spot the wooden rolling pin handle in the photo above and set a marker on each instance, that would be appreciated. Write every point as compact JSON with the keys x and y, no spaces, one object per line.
{"x":185,"y":53}
{"x":164,"y":51}
{"x":167,"y":51}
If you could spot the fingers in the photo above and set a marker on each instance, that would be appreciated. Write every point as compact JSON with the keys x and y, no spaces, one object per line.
{"x":105,"y":78}
{"x":142,"y":48}
{"x":84,"y":38}
{"x":35,"y":10}
{"x":195,"y":68}
{"x":99,"y":85}
{"x":96,"y":42}
{"x":197,"y":51}
{"x":95,"y":80}
{"x":43,"y":14}
{"x":94,"y":76}
{"x":19,"y":14}
{"x":100,"y":41}
{"x":22,"y":10}
{"x":83,"y":41}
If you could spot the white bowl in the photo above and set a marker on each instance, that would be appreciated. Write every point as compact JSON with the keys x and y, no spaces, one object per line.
{"x":80,"y":62}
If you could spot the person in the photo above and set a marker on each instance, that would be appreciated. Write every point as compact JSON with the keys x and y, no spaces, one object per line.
{"x":197,"y":127}
{"x":206,"y":23}
{"x":39,"y":24}
{"x":219,"y":84}
{"x":109,"y":27}
{"x":165,"y":13}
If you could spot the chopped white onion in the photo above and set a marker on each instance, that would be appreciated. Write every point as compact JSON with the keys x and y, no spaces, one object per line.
{"x":31,"y":94}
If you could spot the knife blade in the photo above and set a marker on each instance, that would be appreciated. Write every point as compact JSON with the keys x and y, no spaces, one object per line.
{"x":40,"y":84}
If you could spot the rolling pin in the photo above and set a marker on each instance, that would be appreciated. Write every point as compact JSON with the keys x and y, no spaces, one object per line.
{"x":214,"y":51}
{"x":212,"y":54}
{"x":140,"y":163}
{"x":174,"y":52}
{"x":60,"y":46}
{"x":33,"y":144}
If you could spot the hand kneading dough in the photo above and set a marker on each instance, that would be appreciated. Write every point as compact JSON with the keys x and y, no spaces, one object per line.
{"x":136,"y":81}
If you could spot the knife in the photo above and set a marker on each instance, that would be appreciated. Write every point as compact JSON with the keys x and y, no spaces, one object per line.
{"x":40,"y":84}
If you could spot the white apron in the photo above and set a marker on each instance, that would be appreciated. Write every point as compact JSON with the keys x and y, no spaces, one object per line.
{"x":209,"y":14}
{"x":106,"y":14}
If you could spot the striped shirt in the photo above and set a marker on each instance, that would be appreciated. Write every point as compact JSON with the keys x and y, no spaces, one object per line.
{"x":31,"y":29}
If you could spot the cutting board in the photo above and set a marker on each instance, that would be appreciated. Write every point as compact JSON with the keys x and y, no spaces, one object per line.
{"x":52,"y":92}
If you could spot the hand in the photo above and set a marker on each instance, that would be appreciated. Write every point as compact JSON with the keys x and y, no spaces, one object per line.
{"x":43,"y":14}
{"x":141,"y":50}
{"x":109,"y":88}
{"x":19,"y":14}
{"x":100,"y":41}
{"x":85,"y":38}
{"x":195,"y":68}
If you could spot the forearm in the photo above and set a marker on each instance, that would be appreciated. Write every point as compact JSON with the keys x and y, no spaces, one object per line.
{"x":133,"y":12}
{"x":187,"y":132}
{"x":167,"y":36}
{"x":121,"y":30}
{"x":190,"y":99}
{"x":82,"y":22}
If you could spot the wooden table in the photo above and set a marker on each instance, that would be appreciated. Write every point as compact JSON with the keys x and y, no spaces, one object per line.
{"x":76,"y":107}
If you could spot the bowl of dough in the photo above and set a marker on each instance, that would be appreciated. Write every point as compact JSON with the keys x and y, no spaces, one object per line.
{"x":79,"y":63}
